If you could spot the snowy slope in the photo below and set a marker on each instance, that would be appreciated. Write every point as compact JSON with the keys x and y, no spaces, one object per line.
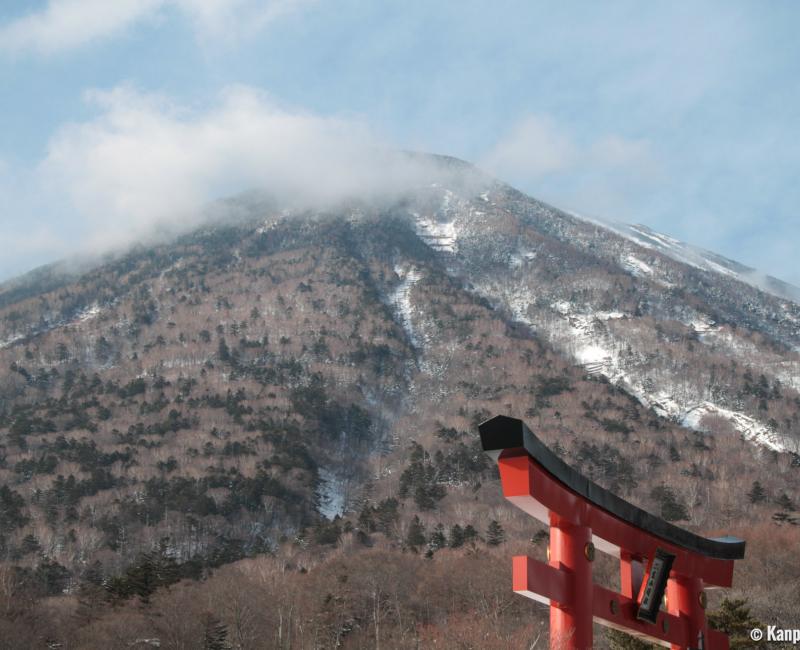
{"x":565,"y":279}
{"x":697,"y":257}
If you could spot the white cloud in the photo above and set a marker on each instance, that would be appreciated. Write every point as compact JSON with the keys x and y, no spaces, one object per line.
{"x":145,"y":164}
{"x":230,"y":19}
{"x":535,"y":146}
{"x":616,"y":151}
{"x":36,"y":240}
{"x":538,"y":146}
{"x":67,"y":24}
{"x":598,"y":176}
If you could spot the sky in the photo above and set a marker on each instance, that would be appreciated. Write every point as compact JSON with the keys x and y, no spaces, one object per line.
{"x":124,"y":118}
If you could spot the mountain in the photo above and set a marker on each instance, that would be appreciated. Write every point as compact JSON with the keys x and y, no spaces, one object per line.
{"x":276,"y":415}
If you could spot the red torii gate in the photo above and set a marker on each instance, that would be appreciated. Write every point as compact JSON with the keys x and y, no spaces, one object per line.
{"x":654,"y":555}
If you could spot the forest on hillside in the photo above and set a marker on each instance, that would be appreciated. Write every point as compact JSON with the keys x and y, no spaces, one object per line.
{"x":267,"y":438}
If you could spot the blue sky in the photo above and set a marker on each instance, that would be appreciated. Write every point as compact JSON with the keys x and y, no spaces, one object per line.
{"x":119,"y":117}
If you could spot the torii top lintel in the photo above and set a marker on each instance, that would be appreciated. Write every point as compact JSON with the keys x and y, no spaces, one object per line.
{"x":617,"y":526}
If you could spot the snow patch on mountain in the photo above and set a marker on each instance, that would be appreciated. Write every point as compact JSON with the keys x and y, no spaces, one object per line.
{"x":331,"y":493}
{"x":724,"y":338}
{"x":271,"y":222}
{"x":690,"y":413}
{"x":788,"y":373}
{"x":636,"y":266}
{"x":92,"y":311}
{"x":581,"y":335}
{"x":439,"y":235}
{"x":750,"y":428}
{"x":518,"y":302}
{"x":784,"y":367}
{"x":585,"y":338}
{"x":697,"y":257}
{"x":691,"y":416}
{"x":702,"y":325}
{"x":86,"y":314}
{"x":400,"y":299}
{"x":521,"y":257}
{"x":180,"y":362}
{"x":7,"y":343}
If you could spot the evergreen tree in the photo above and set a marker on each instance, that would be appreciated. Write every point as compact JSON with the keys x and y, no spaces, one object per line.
{"x":52,"y":577}
{"x":91,"y":594}
{"x":470,"y":534}
{"x":142,"y":579}
{"x":20,"y":429}
{"x":540,"y":536}
{"x":672,"y":509}
{"x":495,"y":535}
{"x":30,"y":544}
{"x":783,"y":518}
{"x":437,"y":539}
{"x":366,"y":521}
{"x":421,"y":479}
{"x":757,"y":493}
{"x":424,"y":498}
{"x":215,"y":633}
{"x":103,"y":350}
{"x":456,"y":536}
{"x":416,"y":534}
{"x":327,"y":533}
{"x":785,"y":503}
{"x":223,"y":351}
{"x":733,"y":617}
{"x":155,"y":569}
{"x":387,"y":515}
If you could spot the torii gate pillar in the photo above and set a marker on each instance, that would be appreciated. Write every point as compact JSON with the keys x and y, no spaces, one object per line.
{"x":571,"y":623}
{"x":686,"y":599}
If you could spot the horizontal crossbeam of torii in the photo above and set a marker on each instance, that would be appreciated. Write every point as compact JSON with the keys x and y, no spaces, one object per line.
{"x":582,"y":516}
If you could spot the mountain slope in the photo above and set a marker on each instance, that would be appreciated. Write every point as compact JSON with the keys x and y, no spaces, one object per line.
{"x":609,"y":303}
{"x":234,"y":392}
{"x":702,"y":259}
